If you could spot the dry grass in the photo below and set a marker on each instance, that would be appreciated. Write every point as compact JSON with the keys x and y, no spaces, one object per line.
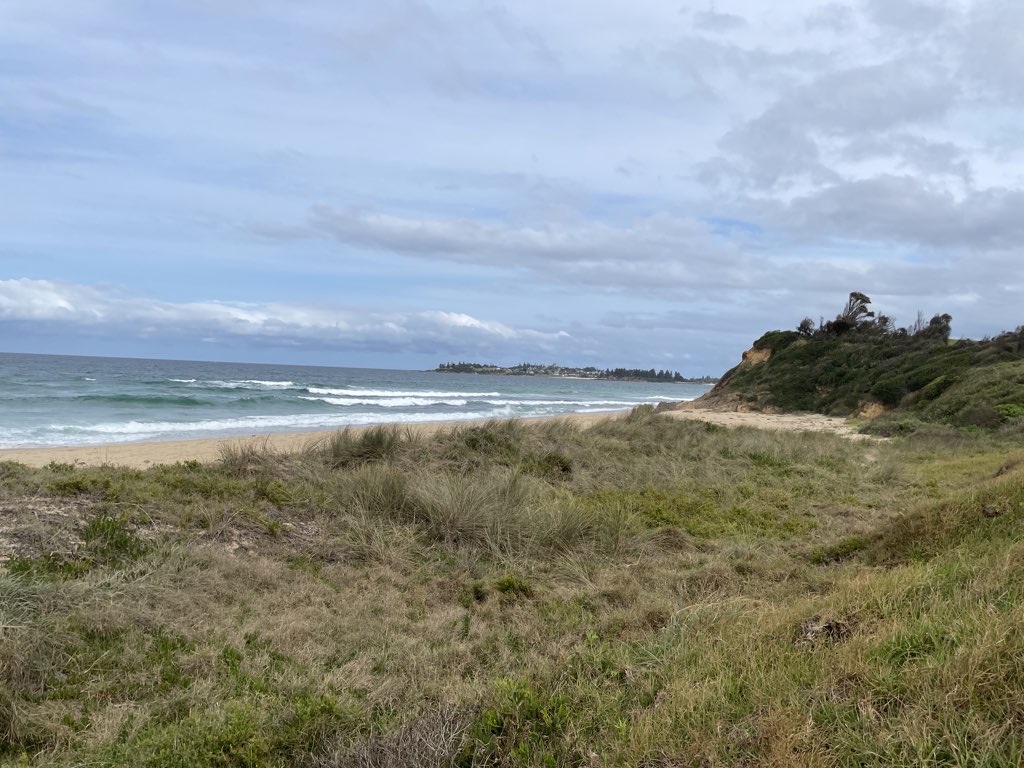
{"x":645,"y":592}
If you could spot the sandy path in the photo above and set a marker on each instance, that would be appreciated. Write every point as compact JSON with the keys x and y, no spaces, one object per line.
{"x":141,"y":455}
{"x":785,"y":422}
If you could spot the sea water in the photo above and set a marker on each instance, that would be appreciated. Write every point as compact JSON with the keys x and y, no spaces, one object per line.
{"x":51,"y":400}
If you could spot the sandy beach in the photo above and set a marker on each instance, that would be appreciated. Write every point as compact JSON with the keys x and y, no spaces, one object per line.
{"x":146,"y":454}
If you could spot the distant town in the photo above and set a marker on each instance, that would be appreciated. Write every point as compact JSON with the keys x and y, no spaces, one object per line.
{"x":590,"y":372}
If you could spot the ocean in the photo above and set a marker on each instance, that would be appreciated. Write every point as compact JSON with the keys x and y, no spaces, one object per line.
{"x":53,"y":400}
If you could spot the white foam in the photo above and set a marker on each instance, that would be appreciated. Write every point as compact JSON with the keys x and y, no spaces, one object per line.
{"x":394,"y":393}
{"x":251,"y":384}
{"x":385,"y":402}
{"x":624,"y":403}
{"x":142,"y":430}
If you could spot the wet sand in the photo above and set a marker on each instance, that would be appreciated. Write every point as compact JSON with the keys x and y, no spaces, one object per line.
{"x":141,"y":455}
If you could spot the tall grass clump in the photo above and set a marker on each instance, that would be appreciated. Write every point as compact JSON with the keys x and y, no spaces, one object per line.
{"x":248,"y":458}
{"x":490,"y":507}
{"x":373,"y":445}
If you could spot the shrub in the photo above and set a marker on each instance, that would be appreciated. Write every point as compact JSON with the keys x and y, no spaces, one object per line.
{"x":1010,"y":411}
{"x":936,"y":387}
{"x":889,"y":390}
{"x":984,"y":416}
{"x":776,"y":341}
{"x":514,"y":586}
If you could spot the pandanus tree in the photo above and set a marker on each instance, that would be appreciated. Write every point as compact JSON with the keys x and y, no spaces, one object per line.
{"x":854,"y":313}
{"x":856,"y":308}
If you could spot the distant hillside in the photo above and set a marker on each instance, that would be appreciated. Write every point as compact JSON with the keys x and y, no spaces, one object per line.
{"x":861,"y":363}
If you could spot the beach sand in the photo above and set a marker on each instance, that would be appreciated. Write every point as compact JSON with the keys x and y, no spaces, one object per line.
{"x":142,"y":455}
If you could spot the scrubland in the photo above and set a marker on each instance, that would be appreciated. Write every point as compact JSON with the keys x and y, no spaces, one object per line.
{"x":642,"y":592}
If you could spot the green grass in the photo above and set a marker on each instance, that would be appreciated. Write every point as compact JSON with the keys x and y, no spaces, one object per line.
{"x":648,"y":591}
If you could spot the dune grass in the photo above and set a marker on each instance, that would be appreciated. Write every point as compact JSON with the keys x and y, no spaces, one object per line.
{"x":647,"y":591}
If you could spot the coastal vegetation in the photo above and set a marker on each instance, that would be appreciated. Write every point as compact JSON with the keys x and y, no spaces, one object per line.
{"x":863,"y":362}
{"x":590,"y":372}
{"x":647,"y":591}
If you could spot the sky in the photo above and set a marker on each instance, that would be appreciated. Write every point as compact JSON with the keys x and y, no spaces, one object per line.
{"x":395,"y":183}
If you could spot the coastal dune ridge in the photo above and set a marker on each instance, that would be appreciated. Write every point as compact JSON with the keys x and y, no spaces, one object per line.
{"x":146,"y":454}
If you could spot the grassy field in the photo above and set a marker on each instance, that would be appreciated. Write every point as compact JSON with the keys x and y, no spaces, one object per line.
{"x":645,"y":592}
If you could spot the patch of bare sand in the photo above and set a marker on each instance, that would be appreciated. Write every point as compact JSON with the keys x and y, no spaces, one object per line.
{"x":784,"y":422}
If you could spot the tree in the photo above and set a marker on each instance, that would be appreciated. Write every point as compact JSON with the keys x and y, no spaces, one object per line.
{"x":853,"y":315}
{"x":806,"y":328}
{"x":939,"y":327}
{"x":856,"y":308}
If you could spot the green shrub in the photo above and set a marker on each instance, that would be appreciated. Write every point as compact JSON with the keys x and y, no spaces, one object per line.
{"x":891,"y":425}
{"x":514,"y":586}
{"x":1009,"y":411}
{"x":777,"y":341}
{"x":936,"y":387}
{"x":889,"y":390}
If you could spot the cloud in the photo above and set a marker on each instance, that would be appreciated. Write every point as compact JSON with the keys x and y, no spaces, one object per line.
{"x":498,"y":243}
{"x":908,"y":15}
{"x":993,"y":49}
{"x":912,"y":153}
{"x":83,"y":309}
{"x":907,"y":210}
{"x":788,"y":141}
{"x":661,"y":252}
{"x":835,"y":17}
{"x":709,"y":21}
{"x":892,"y":235}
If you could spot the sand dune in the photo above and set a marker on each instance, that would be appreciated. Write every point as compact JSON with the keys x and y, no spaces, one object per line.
{"x":141,"y":455}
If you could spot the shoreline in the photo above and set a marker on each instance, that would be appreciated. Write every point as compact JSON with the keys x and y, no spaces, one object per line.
{"x":147,"y":454}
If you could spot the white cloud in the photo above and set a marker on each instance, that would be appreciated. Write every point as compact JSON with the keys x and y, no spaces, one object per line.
{"x":666,"y":255}
{"x":504,"y":244}
{"x":83,"y":309}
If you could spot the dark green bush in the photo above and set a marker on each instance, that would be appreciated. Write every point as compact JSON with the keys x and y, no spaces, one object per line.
{"x":889,"y":390}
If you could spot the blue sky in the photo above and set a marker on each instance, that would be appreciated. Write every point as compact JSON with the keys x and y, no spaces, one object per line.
{"x":400,"y":182}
